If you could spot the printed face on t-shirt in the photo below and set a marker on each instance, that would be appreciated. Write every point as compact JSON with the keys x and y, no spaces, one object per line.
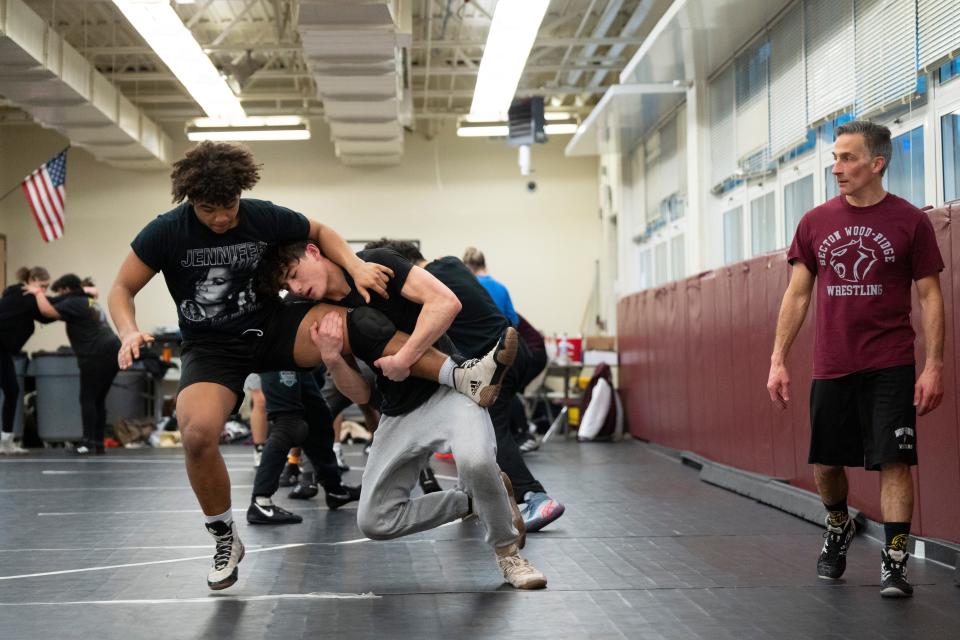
{"x":853,"y":167}
{"x":218,"y":218}
{"x":215,"y":287}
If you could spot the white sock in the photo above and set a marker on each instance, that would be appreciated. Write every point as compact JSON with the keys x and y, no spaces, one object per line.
{"x":264,"y":501}
{"x":227,"y":517}
{"x":446,"y":373}
{"x":337,"y":447}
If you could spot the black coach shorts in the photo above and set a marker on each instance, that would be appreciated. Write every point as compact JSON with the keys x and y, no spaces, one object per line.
{"x":866,"y":418}
{"x":228,"y":360}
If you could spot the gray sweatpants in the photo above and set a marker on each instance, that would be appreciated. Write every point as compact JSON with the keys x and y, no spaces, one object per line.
{"x":402,"y":447}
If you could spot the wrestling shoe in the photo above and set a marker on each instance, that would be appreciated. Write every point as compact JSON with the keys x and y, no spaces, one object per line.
{"x":833,"y":556}
{"x":539,"y":510}
{"x":290,"y":475}
{"x":517,"y":517}
{"x":518,"y":571}
{"x":341,"y":496}
{"x":9,"y":447}
{"x":480,"y":379}
{"x":227,"y":556}
{"x":893,"y":574}
{"x":531,"y":444}
{"x":338,"y":453}
{"x":270,"y":514}
{"x":306,"y":489}
{"x":428,"y":481}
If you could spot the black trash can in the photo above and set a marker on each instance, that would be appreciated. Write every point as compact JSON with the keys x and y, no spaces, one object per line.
{"x":58,"y":395}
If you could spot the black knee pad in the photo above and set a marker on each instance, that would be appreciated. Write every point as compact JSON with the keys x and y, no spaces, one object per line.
{"x":369,"y":331}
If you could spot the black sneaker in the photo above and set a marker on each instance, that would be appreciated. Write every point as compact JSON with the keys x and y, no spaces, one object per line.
{"x":428,"y":481}
{"x":272,"y":514}
{"x":341,"y":496}
{"x":893,"y":574}
{"x":227,"y":556}
{"x":307,"y":488}
{"x":290,"y":475}
{"x":833,"y":556}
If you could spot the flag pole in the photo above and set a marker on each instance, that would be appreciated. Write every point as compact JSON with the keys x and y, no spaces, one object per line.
{"x":17,"y":186}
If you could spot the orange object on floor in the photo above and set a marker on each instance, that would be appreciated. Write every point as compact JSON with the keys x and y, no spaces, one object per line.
{"x":112,"y":443}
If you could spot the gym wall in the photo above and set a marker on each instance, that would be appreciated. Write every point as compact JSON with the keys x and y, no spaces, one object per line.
{"x":694,"y":360}
{"x":448,"y":192}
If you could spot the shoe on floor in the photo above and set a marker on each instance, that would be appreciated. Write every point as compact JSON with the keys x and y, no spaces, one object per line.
{"x":259,"y":513}
{"x":517,"y":516}
{"x":226,"y":557}
{"x":9,"y":447}
{"x":342,"y":495}
{"x":479,"y":379}
{"x":528,"y":445}
{"x":539,"y":510}
{"x":893,"y":574}
{"x":290,"y":475}
{"x":338,"y":453}
{"x":306,"y":489}
{"x":518,"y":571}
{"x":428,"y":481}
{"x":833,"y":556}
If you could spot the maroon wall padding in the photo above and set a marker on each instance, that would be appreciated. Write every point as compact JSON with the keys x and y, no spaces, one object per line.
{"x":694,"y":359}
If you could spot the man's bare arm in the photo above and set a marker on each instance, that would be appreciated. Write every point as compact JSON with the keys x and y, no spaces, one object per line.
{"x":928,"y":391}
{"x":131,"y":278}
{"x":366,"y":275}
{"x":793,"y":311}
{"x":440,"y":307}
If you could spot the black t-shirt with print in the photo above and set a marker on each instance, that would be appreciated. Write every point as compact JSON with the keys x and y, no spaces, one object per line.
{"x":211,"y":276}
{"x":87,"y":328}
{"x":398,"y":397}
{"x":480,"y":322}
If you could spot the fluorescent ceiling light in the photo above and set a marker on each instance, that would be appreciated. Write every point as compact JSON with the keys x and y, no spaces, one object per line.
{"x":561,"y":129}
{"x":557,"y":115}
{"x":253,"y":128}
{"x":512,"y":33}
{"x":163,"y":30}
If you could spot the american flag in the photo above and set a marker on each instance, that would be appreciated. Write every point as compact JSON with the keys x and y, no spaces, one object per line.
{"x":46,"y":194}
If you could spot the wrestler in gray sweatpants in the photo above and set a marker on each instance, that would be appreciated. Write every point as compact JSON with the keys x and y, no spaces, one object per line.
{"x":448,"y":421}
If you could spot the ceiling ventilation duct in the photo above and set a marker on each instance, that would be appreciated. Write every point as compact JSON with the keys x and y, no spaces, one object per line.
{"x":60,"y":89}
{"x":357,"y":53}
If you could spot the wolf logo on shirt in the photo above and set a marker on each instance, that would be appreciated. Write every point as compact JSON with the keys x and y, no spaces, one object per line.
{"x":852,"y":261}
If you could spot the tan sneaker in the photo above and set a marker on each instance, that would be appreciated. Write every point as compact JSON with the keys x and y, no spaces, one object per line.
{"x":480,"y":379}
{"x":515,"y":508}
{"x":518,"y":571}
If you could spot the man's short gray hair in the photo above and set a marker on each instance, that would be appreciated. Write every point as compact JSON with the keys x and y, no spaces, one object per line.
{"x":876,"y":137}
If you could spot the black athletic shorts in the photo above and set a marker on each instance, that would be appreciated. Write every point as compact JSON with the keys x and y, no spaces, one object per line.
{"x":866,"y":418}
{"x":227,"y":361}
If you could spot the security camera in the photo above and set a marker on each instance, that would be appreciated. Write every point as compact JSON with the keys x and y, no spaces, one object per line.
{"x":531,"y":186}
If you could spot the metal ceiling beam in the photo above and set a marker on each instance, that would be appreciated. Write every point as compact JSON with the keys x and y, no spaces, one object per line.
{"x":435,"y":44}
{"x":279,"y":74}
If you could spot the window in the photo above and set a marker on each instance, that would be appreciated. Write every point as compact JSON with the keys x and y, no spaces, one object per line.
{"x":950,"y":134}
{"x":948,"y":71}
{"x":645,"y":268}
{"x":797,"y":200}
{"x":904,"y":177}
{"x":830,"y":187}
{"x":660,"y":264}
{"x":678,"y":267}
{"x":763,"y":224}
{"x":733,"y":235}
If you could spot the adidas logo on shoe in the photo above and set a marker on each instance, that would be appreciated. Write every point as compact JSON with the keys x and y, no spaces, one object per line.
{"x":480,"y":379}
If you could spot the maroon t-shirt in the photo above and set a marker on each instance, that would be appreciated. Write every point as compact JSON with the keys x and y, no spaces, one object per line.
{"x":865,"y":260}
